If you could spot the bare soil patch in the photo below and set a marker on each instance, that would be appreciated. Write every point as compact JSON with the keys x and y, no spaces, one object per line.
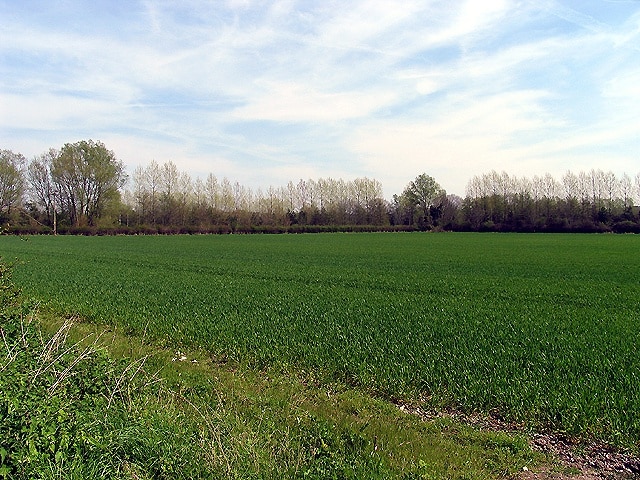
{"x":570,"y":459}
{"x":594,"y":461}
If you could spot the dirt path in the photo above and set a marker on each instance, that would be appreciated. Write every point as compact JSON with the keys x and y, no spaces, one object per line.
{"x":593,"y":462}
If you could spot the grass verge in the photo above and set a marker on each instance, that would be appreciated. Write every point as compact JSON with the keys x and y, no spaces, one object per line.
{"x":272,"y":424}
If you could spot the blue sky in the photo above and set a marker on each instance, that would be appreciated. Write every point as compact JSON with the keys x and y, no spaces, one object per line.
{"x":264,"y":92}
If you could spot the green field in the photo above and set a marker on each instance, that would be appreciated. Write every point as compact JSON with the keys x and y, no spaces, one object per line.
{"x":543,"y":329}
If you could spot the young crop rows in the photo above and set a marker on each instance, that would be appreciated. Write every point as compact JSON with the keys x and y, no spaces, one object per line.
{"x":542,"y":329}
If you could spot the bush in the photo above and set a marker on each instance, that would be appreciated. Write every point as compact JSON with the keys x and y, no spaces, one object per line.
{"x":626,"y":226}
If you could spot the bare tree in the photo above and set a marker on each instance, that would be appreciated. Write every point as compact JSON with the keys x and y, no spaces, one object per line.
{"x":610,"y":188}
{"x":570,"y":185}
{"x":626,"y":191}
{"x":41,"y":188}
{"x":226,"y":196}
{"x":213,"y":191}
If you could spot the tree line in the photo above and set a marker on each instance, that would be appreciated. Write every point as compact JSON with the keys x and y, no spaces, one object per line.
{"x":160,"y":196}
{"x":83,"y":188}
{"x":593,"y":201}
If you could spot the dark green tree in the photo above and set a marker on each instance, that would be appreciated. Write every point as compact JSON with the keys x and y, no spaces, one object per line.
{"x":88,"y":177}
{"x":422,"y":194}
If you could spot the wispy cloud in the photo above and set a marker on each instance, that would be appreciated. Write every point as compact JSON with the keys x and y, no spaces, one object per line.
{"x":267,"y":92}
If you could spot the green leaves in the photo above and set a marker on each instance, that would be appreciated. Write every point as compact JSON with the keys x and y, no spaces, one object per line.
{"x":87,"y":175}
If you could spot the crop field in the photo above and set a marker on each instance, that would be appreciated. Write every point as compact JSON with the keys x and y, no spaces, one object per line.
{"x":543,"y":329}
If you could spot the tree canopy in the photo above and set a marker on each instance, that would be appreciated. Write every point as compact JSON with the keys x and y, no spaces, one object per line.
{"x":87,"y":175}
{"x":418,"y":199}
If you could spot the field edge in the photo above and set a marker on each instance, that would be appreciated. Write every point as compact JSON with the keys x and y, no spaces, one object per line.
{"x":400,"y":434}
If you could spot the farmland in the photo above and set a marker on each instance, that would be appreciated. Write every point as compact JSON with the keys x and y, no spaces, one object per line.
{"x":541,"y":329}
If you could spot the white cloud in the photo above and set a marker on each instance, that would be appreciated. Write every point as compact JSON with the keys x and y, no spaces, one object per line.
{"x":363,"y":88}
{"x":461,"y":135}
{"x":55,"y":112}
{"x":574,"y":16}
{"x":296,"y":103}
{"x":472,"y":17}
{"x":625,"y":86}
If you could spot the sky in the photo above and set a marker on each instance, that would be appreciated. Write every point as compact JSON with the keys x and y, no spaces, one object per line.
{"x":267,"y":92}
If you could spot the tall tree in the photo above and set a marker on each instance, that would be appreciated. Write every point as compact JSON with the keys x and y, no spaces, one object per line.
{"x":140,"y":196}
{"x":213,"y":191}
{"x":626,"y":191}
{"x":12,"y":181}
{"x":422,"y":194}
{"x":88,"y":176}
{"x":41,"y":188}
